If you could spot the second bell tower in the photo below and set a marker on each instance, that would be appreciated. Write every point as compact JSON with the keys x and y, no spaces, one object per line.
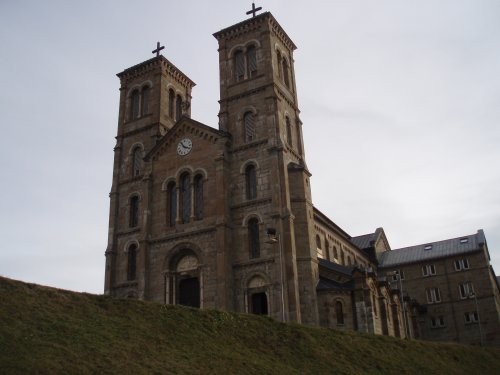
{"x":258,"y":107}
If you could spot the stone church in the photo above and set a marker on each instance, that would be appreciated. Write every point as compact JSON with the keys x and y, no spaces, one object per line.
{"x":224,"y":218}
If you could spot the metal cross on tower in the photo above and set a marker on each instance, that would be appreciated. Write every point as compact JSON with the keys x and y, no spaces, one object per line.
{"x":254,"y":10}
{"x":158,"y":49}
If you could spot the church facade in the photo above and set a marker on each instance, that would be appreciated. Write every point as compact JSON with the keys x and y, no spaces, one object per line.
{"x":224,"y":218}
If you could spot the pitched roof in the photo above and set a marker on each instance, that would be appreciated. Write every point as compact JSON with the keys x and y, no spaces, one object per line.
{"x":327,"y":284}
{"x":433,"y":250}
{"x":336,"y":267}
{"x":365,"y":240}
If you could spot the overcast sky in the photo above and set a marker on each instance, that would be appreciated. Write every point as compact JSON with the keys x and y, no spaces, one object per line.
{"x":400,"y":106}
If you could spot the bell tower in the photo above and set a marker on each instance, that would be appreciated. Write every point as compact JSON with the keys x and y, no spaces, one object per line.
{"x":154,"y":95}
{"x":259,"y":108}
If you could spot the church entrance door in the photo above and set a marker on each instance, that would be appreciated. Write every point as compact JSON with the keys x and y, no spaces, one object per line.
{"x":259,"y":303}
{"x":189,"y":292}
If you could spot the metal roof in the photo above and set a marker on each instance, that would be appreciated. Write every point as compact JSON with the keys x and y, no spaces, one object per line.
{"x":364,"y":241}
{"x":432,"y":250}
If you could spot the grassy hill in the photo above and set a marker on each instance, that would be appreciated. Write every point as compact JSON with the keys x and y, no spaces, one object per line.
{"x":49,"y":331}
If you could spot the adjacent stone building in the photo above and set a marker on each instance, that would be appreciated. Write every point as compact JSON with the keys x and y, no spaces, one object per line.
{"x":455,"y":282}
{"x":224,"y":218}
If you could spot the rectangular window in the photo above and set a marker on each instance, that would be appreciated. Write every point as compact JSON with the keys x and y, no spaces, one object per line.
{"x":471,"y":317}
{"x":397,"y":274}
{"x":462,"y":264}
{"x":437,"y":322}
{"x":466,"y":290}
{"x":429,"y":270}
{"x":433,"y":295}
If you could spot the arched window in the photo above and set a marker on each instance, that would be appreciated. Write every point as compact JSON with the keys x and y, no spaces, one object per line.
{"x":134,"y":211}
{"x":335,"y":252}
{"x":239,"y":65}
{"x":134,"y":112}
{"x":145,"y":100}
{"x":251,"y":181}
{"x":349,"y":260}
{"x":318,"y":242}
{"x":136,"y":161}
{"x":251,"y":61}
{"x":178,"y":108}
{"x":339,"y":313}
{"x":327,"y":249}
{"x":171,"y":102}
{"x":131,"y":262}
{"x":185,"y":197}
{"x":342,"y":257}
{"x":286,"y":78}
{"x":249,"y":126}
{"x":288,"y":131}
{"x":171,"y":203}
{"x":253,"y":238}
{"x":198,"y":197}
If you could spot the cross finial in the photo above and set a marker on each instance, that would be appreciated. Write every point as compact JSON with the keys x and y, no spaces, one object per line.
{"x":158,"y":49}
{"x":254,"y":10}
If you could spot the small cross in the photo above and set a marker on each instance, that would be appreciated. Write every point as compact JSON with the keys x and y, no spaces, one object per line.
{"x":254,"y":10}
{"x":158,"y":49}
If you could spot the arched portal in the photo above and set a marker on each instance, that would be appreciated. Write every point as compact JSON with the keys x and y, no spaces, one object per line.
{"x":183,"y":282}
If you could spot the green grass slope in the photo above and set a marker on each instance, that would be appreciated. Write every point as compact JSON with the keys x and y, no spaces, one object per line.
{"x":50,"y":331}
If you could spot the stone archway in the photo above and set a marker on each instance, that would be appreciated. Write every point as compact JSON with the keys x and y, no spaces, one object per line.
{"x":183,"y":280}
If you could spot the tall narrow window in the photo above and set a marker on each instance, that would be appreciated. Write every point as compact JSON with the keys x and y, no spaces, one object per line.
{"x":251,"y":61}
{"x":145,"y":100}
{"x":239,"y":65}
{"x":335,"y":252}
{"x":136,"y":161}
{"x":339,"y":313}
{"x":178,"y":108}
{"x":171,"y":203}
{"x":318,"y":242}
{"x":299,"y":143}
{"x":280,"y":66}
{"x":198,"y":197}
{"x":327,"y":249}
{"x":249,"y":126}
{"x":286,"y":79}
{"x":171,"y":102}
{"x":253,"y":238}
{"x":185,"y":197}
{"x":132,"y":262}
{"x":288,"y":131}
{"x":251,"y":181}
{"x":134,"y":113}
{"x":134,"y":211}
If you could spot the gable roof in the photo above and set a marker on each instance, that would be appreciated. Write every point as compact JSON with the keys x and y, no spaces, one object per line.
{"x":190,"y":125}
{"x":433,"y":250}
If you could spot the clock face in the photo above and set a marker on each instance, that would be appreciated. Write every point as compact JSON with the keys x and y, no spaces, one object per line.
{"x":184,"y":146}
